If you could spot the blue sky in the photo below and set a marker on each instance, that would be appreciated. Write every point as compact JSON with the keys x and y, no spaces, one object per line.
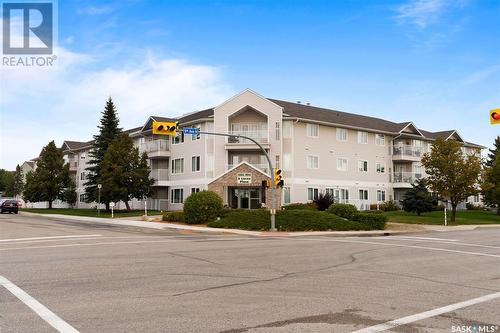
{"x":434,"y":62}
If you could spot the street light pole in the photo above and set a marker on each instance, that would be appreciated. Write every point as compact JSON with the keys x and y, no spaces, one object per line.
{"x":273,"y":186}
{"x":99,"y":186}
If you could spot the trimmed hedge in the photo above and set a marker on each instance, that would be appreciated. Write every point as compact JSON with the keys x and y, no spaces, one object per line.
{"x":173,"y":216}
{"x":343,"y":210}
{"x":202,"y":207}
{"x":295,"y":206}
{"x":292,"y":220}
{"x":373,"y":220}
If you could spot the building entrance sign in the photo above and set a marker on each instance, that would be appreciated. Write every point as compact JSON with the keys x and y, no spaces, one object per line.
{"x":244,"y":178}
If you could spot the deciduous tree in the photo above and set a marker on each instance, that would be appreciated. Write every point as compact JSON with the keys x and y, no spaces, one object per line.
{"x":451,"y":174}
{"x":125,"y":174}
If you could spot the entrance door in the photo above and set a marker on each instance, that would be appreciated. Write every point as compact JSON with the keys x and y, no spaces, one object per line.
{"x":245,"y":198}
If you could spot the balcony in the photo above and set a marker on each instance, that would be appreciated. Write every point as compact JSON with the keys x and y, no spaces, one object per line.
{"x":407,"y":153}
{"x":160,"y":176}
{"x":262,"y":167}
{"x":405,"y":179}
{"x":73,"y":165}
{"x":156,"y":148}
{"x":261,"y":136}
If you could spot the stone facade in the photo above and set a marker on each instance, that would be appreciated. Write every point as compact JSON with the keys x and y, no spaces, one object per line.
{"x":229,"y":179}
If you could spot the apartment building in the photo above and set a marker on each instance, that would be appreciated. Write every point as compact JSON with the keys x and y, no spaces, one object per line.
{"x":358,"y":159}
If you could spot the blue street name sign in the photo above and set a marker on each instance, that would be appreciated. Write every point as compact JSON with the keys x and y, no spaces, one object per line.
{"x":190,"y":130}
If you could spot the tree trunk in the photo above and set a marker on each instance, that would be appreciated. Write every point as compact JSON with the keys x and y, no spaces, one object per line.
{"x":498,"y":210}
{"x":453,"y":212}
{"x":107,"y":206}
{"x":127,"y":205}
{"x":50,"y":204}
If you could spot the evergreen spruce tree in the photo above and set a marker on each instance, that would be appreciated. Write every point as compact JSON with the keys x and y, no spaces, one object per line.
{"x":490,"y":188}
{"x":70,"y":195}
{"x":124,"y":173}
{"x":418,"y":199}
{"x":51,"y":176}
{"x":18,"y":183}
{"x":108,"y":131}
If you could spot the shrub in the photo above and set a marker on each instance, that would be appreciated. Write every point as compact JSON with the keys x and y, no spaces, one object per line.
{"x":202,"y":207}
{"x":343,"y":210}
{"x":255,"y":219}
{"x":471,"y":206}
{"x":371,"y":220}
{"x":389,"y":206}
{"x":173,"y":216}
{"x":286,"y":220}
{"x":323,"y":201}
{"x":294,"y":206}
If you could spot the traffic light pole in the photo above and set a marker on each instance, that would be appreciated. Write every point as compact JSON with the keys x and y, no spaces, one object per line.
{"x":273,"y":186}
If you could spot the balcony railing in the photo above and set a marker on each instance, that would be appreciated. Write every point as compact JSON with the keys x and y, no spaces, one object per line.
{"x":154,"y":146}
{"x":406,"y":177}
{"x":73,"y":165}
{"x":159,"y":175}
{"x":261,"y":136}
{"x":407,"y":150}
{"x":263,"y":167}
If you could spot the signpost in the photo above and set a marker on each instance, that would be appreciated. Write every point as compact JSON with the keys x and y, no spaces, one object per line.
{"x":112,"y":205}
{"x":99,"y":186}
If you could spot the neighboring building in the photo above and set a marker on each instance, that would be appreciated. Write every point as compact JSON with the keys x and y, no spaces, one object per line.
{"x":359,"y":159}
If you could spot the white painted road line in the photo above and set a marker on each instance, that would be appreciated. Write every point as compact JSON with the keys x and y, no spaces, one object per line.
{"x":50,"y":317}
{"x":48,"y":237}
{"x":424,"y":238}
{"x":427,"y":314}
{"x":403,"y":245}
{"x":457,"y":243}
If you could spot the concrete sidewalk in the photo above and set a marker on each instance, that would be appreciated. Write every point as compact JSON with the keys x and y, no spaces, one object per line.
{"x":397,"y":228}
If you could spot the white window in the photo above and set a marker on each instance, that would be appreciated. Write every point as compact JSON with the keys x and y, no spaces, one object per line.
{"x":362,"y":137}
{"x":363,"y":194}
{"x":363,"y":166}
{"x":380,"y":195}
{"x":286,"y":195}
{"x":341,"y":195}
{"x":177,"y":195}
{"x":380,"y":139}
{"x":312,"y":130}
{"x":195,"y":137}
{"x":177,"y":165}
{"x":341,"y":134}
{"x":476,"y":198}
{"x":83,"y":176}
{"x":418,"y":170}
{"x":380,"y":167}
{"x":195,"y":190}
{"x":195,"y":163}
{"x":287,"y":162}
{"x":342,"y":164}
{"x":277,"y":161}
{"x":278,"y":132}
{"x":312,"y":162}
{"x":287,"y":129}
{"x":179,"y":138}
{"x":82,"y":156}
{"x":312,"y":193}
{"x":83,"y":197}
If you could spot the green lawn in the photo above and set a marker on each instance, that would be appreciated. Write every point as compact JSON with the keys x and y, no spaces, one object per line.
{"x":89,"y":212}
{"x":463,"y":217}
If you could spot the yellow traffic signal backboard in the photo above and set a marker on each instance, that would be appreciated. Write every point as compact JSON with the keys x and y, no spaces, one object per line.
{"x":164,"y":128}
{"x":495,"y":116}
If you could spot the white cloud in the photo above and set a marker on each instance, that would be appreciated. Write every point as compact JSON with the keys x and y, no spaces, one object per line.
{"x":420,"y":12}
{"x":65,"y":102}
{"x":95,"y":10}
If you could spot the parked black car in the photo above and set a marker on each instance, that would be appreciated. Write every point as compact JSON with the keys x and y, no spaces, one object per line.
{"x":10,"y":206}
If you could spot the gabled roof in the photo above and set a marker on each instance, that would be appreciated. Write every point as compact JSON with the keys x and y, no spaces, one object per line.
{"x":207,"y":113}
{"x":236,"y":167}
{"x":73,"y":145}
{"x":303,"y":111}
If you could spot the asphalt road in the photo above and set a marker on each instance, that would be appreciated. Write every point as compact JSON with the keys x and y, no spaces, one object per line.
{"x":99,"y":278}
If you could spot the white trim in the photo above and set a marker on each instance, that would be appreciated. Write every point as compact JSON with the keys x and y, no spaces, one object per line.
{"x":412,"y":124}
{"x":455,"y":132}
{"x":337,"y":182}
{"x":241,"y":93}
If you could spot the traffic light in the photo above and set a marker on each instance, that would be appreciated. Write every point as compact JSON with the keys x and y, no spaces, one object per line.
{"x":265,"y":183}
{"x":495,"y":116}
{"x":164,"y":128}
{"x":278,"y":180}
